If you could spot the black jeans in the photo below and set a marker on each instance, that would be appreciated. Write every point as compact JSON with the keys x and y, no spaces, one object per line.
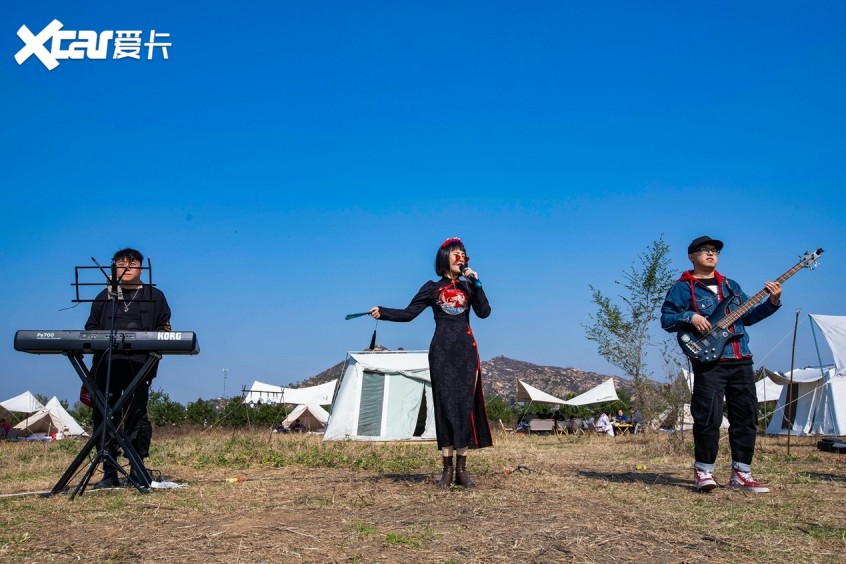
{"x":133,"y":413}
{"x":736,"y":382}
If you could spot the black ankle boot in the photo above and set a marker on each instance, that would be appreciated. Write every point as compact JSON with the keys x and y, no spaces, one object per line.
{"x":110,"y":477}
{"x":448,"y":473}
{"x":462,"y":478}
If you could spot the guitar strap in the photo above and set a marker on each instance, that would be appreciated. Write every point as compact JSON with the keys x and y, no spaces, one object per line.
{"x":735,"y":293}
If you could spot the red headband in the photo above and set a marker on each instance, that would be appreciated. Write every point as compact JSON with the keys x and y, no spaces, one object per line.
{"x":450,"y":241}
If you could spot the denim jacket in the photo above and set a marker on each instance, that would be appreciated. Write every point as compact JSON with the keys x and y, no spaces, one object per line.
{"x":688,"y":296}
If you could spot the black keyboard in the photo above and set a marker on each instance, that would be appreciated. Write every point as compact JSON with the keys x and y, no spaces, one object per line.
{"x":72,"y":341}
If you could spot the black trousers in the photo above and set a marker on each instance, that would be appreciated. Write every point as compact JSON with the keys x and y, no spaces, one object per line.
{"x":735,"y":382}
{"x":133,"y":413}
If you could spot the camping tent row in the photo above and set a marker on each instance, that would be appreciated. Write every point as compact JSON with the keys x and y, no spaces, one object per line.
{"x":387,"y":396}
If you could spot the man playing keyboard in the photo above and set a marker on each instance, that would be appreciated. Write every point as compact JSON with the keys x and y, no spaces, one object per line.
{"x":140,"y":307}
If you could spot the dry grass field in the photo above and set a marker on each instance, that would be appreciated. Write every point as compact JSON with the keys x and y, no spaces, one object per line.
{"x":573,"y":499}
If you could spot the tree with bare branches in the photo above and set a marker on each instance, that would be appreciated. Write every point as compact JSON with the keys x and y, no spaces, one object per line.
{"x":622,"y":328}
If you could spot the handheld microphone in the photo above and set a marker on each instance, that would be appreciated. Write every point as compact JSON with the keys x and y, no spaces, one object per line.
{"x":472,"y":279}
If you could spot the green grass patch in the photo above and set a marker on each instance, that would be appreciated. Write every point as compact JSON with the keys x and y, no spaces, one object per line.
{"x":405,"y":540}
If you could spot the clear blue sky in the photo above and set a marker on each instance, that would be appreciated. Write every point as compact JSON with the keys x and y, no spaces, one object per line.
{"x":293,"y":162}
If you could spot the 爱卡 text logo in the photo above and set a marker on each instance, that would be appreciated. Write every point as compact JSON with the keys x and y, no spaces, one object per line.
{"x":53,"y":44}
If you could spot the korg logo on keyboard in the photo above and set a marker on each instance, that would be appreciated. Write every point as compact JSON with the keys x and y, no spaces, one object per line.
{"x":170,"y":336}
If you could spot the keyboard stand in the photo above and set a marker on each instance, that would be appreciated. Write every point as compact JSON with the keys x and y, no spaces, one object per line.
{"x":106,"y":430}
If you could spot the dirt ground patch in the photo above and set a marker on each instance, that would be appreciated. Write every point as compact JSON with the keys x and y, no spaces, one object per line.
{"x":539,"y":499}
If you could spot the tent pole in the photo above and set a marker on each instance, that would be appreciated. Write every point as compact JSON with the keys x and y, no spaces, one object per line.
{"x":792,"y":408}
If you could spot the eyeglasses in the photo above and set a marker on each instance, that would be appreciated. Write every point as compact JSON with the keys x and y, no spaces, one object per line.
{"x":124,"y":264}
{"x":461,"y":258}
{"x":708,"y":250}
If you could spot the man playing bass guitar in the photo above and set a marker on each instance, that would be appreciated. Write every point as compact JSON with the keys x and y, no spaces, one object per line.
{"x":688,"y":305}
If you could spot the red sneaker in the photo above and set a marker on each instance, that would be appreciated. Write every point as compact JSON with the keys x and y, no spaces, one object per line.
{"x":745,"y":482}
{"x":703,"y":481}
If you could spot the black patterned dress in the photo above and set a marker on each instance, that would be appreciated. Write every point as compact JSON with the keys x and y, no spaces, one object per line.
{"x":461,"y":418}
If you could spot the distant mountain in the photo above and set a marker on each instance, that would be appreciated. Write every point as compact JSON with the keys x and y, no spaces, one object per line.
{"x":500,"y":375}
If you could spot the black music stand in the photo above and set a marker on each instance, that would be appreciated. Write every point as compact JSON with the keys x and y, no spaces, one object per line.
{"x":107,"y":430}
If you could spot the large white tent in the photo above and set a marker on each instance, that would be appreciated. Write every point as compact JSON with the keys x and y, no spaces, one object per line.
{"x":260,"y":392}
{"x":815,"y":402}
{"x":52,"y":419}
{"x":23,"y":403}
{"x":601,"y":393}
{"x":383,"y":396}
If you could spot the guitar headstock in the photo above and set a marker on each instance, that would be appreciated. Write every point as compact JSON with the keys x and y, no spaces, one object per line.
{"x":809,"y":260}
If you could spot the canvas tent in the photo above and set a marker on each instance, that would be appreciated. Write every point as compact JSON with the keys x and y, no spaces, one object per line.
{"x":766,"y":388}
{"x":51,"y":419}
{"x":601,"y":393}
{"x":383,"y":396}
{"x":815,"y":403}
{"x":260,"y":392}
{"x":312,"y":417}
{"x":24,"y":403}
{"x":818,"y":395}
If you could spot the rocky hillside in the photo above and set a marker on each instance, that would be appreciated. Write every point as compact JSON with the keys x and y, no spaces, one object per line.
{"x":501,"y":373}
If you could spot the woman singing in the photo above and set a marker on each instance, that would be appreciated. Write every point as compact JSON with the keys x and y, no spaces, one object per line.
{"x":461,"y":420}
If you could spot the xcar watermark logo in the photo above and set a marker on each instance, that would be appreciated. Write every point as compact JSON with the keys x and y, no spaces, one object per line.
{"x":87,"y":44}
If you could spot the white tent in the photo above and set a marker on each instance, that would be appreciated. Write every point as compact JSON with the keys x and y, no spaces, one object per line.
{"x":24,"y":403}
{"x":601,"y":393}
{"x":260,"y":392}
{"x":815,"y":403}
{"x":53,"y":418}
{"x":767,"y":389}
{"x":526,"y":392}
{"x":383,"y":396}
{"x":833,"y":328}
{"x":818,"y":395}
{"x":312,"y":417}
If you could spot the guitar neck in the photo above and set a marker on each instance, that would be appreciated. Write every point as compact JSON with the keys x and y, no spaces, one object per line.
{"x":729,"y":320}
